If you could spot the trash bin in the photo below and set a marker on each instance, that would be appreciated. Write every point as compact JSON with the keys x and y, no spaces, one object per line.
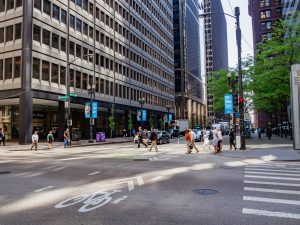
{"x":76,"y":134}
{"x":100,"y":137}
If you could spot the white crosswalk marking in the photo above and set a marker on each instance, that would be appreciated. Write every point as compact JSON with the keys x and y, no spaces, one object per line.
{"x":261,"y":180}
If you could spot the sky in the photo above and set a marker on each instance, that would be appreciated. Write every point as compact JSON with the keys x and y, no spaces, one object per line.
{"x":246,"y":28}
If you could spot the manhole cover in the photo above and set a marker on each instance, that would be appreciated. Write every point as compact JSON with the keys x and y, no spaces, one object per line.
{"x":141,"y":160}
{"x":4,"y":172}
{"x":206,"y":192}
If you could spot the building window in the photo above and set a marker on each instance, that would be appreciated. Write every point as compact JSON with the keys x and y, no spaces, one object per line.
{"x":9,"y":33}
{"x":85,"y":29}
{"x":36,"y":68}
{"x":18,"y":3}
{"x":2,"y":5}
{"x":266,"y":25}
{"x":85,"y":5}
{"x":45,"y":70}
{"x":91,"y":11}
{"x":265,"y":14}
{"x":18,"y":31}
{"x":17,"y":67}
{"x":91,"y":32}
{"x":72,"y":21}
{"x":1,"y":69}
{"x":62,"y":75}
{"x":55,"y":12}
{"x":107,"y":89}
{"x":63,"y":16}
{"x":10,"y":4}
{"x":46,"y":37}
{"x":79,"y":3}
{"x":78,"y":51}
{"x":63,"y":44}
{"x":38,"y":4}
{"x":72,"y":78}
{"x":36,"y":33}
{"x":84,"y":81}
{"x":54,"y":73}
{"x":8,"y":68}
{"x":55,"y":40}
{"x":1,"y":34}
{"x":78,"y":25}
{"x":46,"y":7}
{"x":78,"y":79}
{"x":263,"y":3}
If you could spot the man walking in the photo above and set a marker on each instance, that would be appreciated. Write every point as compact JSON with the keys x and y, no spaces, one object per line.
{"x":153,"y":138}
{"x":35,"y":140}
{"x":220,"y":137}
{"x":231,"y":139}
{"x":67,"y":138}
{"x":140,"y":138}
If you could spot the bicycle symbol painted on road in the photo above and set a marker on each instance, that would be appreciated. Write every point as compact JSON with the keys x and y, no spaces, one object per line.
{"x":100,"y":198}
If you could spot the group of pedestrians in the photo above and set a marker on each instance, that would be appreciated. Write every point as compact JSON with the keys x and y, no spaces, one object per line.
{"x":50,"y":139}
{"x":143,"y":136}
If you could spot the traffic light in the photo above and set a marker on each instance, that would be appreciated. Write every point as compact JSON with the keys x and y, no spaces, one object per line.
{"x":241,"y":100}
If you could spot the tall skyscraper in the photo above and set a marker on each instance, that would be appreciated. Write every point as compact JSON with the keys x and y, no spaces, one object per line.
{"x":216,"y":50}
{"x":189,"y":87}
{"x":119,"y":51}
{"x":290,"y":8}
{"x":264,"y":14}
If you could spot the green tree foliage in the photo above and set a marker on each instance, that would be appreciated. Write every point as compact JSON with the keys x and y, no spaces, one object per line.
{"x":111,"y":120}
{"x":130,"y":123}
{"x":161,"y":123}
{"x":151,"y":122}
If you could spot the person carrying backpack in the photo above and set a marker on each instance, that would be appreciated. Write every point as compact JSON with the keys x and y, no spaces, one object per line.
{"x":153,"y":138}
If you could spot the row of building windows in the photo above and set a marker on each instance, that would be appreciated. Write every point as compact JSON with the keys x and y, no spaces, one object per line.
{"x":10,"y":33}
{"x":266,"y":3}
{"x":82,"y":27}
{"x":55,"y":41}
{"x":6,"y":5}
{"x":56,"y":74}
{"x":10,"y":68}
{"x":267,"y":13}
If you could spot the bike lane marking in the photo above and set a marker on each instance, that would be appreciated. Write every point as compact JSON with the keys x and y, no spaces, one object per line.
{"x":42,"y":189}
{"x":94,"y":173}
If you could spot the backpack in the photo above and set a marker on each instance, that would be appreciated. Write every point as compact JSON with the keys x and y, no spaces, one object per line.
{"x":187,"y":136}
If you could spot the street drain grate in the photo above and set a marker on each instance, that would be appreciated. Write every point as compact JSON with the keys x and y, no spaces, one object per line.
{"x":141,"y":160}
{"x":206,"y":192}
{"x":4,"y":172}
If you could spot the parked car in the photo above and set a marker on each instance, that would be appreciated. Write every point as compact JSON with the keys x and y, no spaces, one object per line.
{"x":163,"y":137}
{"x":174,"y":133}
{"x":199,"y":135}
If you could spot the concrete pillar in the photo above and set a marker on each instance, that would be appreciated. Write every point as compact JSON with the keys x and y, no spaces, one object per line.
{"x":295,"y":99}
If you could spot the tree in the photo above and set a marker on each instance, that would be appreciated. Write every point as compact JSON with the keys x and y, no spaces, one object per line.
{"x":130,"y":123}
{"x":161,"y":123}
{"x":151,"y":122}
{"x":111,"y":120}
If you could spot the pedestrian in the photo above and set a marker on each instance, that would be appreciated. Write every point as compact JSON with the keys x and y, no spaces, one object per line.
{"x":231,"y":139}
{"x":50,"y":139}
{"x":259,"y":132}
{"x":140,"y":138}
{"x":2,"y":136}
{"x":206,"y":140}
{"x":269,"y":133}
{"x":145,"y":137}
{"x":35,"y":140}
{"x":153,"y":138}
{"x":220,"y":137}
{"x":188,"y":141}
{"x":133,"y":132}
{"x":193,"y":140}
{"x":215,"y":140}
{"x":67,"y":138}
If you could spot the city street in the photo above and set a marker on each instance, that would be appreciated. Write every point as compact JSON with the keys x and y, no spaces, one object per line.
{"x":119,"y":184}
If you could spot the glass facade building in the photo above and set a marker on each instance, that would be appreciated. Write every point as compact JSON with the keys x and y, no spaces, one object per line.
{"x":121,"y":48}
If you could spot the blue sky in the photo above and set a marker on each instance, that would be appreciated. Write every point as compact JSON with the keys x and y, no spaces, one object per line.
{"x":246,"y":27}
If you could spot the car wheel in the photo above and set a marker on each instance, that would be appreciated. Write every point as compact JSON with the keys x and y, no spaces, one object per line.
{"x":168,"y":140}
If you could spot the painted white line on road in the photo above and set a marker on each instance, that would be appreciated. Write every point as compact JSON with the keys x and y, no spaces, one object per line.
{"x":75,"y":158}
{"x":123,"y":164}
{"x":271,"y":200}
{"x":270,"y":213}
{"x":279,"y":174}
{"x":273,"y":178}
{"x":118,"y":200}
{"x":271,"y":183}
{"x":272,"y":190}
{"x":42,"y":189}
{"x":271,"y":170}
{"x":94,"y":173}
{"x":264,"y":166}
{"x":156,"y":178}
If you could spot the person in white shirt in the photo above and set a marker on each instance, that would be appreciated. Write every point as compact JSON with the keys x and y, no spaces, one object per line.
{"x":35,"y":140}
{"x":193,"y":138}
{"x":215,"y":140}
{"x":220,"y":137}
{"x":206,"y":139}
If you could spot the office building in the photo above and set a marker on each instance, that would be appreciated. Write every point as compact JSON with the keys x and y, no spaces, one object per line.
{"x":122,"y":51}
{"x":189,"y":88}
{"x":216,"y":50}
{"x":290,"y":8}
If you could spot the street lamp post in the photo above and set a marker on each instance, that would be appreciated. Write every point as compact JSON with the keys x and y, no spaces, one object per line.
{"x":239,"y":49}
{"x":141,"y":102}
{"x":232,"y":81}
{"x":91,"y":90}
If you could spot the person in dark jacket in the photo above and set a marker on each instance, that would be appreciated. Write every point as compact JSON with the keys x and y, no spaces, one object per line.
{"x":140,"y":138}
{"x":153,"y":138}
{"x":231,"y":139}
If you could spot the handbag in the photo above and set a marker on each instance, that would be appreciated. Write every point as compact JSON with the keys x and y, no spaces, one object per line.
{"x":191,"y":147}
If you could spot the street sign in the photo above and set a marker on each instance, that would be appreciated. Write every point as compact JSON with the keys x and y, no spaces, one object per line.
{"x":170,"y":117}
{"x":94,"y":110}
{"x":72,"y":94}
{"x":87,"y":110}
{"x":91,"y":106}
{"x":63,"y":98}
{"x":141,"y":115}
{"x":144,"y":115}
{"x":228,"y":103}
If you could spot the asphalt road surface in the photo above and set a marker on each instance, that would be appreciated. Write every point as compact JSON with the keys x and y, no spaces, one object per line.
{"x":119,"y":184}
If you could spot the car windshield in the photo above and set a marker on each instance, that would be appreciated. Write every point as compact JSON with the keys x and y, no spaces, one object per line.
{"x":158,"y":132}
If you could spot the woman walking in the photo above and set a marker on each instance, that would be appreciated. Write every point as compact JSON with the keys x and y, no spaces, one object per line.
{"x":50,"y":139}
{"x":215,"y":140}
{"x":231,"y":139}
{"x":206,"y":140}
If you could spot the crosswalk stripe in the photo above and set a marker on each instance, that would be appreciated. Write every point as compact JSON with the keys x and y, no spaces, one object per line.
{"x":271,"y":170}
{"x":267,"y":173}
{"x":274,"y":178}
{"x":271,"y":200}
{"x":272,"y":190}
{"x":270,"y":213}
{"x":265,"y":166}
{"x":271,"y":183}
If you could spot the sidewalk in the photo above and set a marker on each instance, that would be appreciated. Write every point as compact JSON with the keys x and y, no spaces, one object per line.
{"x":276,"y":149}
{"x":14,"y":146}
